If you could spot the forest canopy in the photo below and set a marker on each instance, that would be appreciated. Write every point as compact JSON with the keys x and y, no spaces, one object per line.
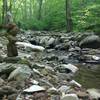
{"x":52,"y":14}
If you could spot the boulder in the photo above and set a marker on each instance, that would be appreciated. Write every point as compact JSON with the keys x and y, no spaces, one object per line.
{"x":51,"y":43}
{"x":29,"y":45}
{"x":94,"y":93}
{"x":62,"y":46}
{"x":1,"y":59}
{"x":69,"y":68}
{"x":1,"y":81}
{"x":34,"y":88}
{"x":44,"y":40}
{"x":73,"y":82}
{"x":21,"y":73}
{"x":70,"y":97}
{"x":64,"y":88}
{"x":1,"y":46}
{"x":45,"y":83}
{"x":7,"y":90}
{"x":90,"y":42}
{"x":12,"y":97}
{"x":53,"y":91}
{"x":83,"y":95}
{"x":7,"y":68}
{"x":80,"y":36}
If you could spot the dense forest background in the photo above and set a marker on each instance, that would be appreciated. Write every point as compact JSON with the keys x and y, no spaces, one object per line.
{"x":80,"y":15}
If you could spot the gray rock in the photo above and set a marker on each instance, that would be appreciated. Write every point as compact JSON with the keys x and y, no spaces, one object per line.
{"x":1,"y":46}
{"x":12,"y":97}
{"x":90,"y":42}
{"x":21,"y":73}
{"x":70,"y":97}
{"x":1,"y":59}
{"x":34,"y":88}
{"x":64,"y":76}
{"x":17,"y":84}
{"x":51,"y":42}
{"x":7,"y":90}
{"x":44,"y":40}
{"x":64,"y":88}
{"x":1,"y":81}
{"x":37,"y":65}
{"x":55,"y":97}
{"x":47,"y":70}
{"x":51,"y":57}
{"x":53,"y":91}
{"x":94,"y":93}
{"x":81,"y":36}
{"x":69,"y":68}
{"x":45,"y":83}
{"x":7,"y":68}
{"x":62,"y":46}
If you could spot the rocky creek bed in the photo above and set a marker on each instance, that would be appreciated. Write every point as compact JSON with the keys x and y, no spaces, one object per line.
{"x":68,"y":68}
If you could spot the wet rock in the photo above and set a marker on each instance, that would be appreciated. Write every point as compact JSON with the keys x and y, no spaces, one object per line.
{"x":51,"y":43}
{"x":95,"y":58}
{"x":70,"y":97}
{"x":44,"y":40}
{"x":81,"y":36}
{"x":55,"y":97}
{"x":53,"y":91}
{"x":1,"y":46}
{"x":47,"y":70}
{"x":17,"y":84}
{"x":12,"y":97}
{"x":1,"y":81}
{"x":64,"y":76}
{"x":35,"y":96}
{"x":45,"y":83}
{"x":1,"y":59}
{"x":94,"y":93}
{"x":50,"y":50}
{"x":64,"y":88}
{"x":34,"y":41}
{"x":34,"y":88}
{"x":7,"y":68}
{"x":51,"y":57}
{"x":83,"y":95}
{"x":69,"y":68}
{"x":7,"y":90}
{"x":21,"y":73}
{"x":34,"y":82}
{"x":53,"y":79}
{"x":73,"y":82}
{"x":75,"y":49}
{"x":62,"y":46}
{"x":38,"y":65}
{"x":90,"y":42}
{"x":36,"y":73}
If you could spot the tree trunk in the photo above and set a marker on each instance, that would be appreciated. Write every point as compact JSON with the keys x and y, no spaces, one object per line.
{"x":4,"y":11}
{"x":68,"y":16}
{"x":40,"y":9}
{"x":30,"y":9}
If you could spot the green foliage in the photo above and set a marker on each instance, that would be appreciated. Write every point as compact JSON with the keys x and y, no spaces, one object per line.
{"x":85,"y":14}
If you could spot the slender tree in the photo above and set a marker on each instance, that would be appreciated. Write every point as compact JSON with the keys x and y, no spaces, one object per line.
{"x":40,"y":9}
{"x":68,"y":16}
{"x":4,"y":11}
